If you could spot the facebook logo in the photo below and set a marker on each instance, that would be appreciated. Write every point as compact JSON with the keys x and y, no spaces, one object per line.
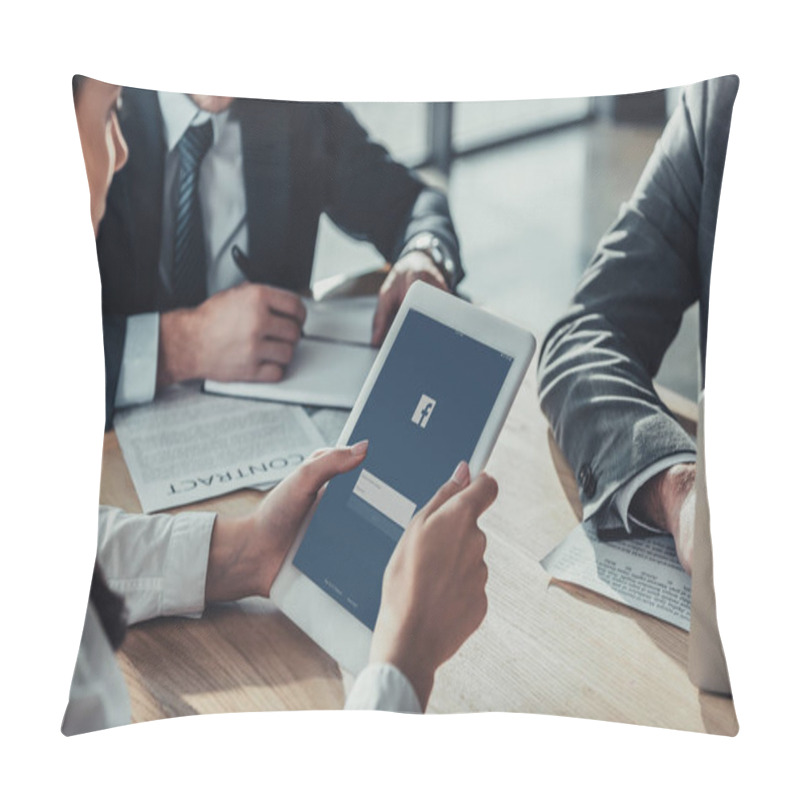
{"x":424,"y":410}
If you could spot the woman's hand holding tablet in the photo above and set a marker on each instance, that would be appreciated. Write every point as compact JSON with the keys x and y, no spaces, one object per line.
{"x":247,"y":552}
{"x":434,"y":594}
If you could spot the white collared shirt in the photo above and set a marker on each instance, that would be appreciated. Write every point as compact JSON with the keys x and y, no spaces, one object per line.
{"x":224,"y":207}
{"x":221,"y":187}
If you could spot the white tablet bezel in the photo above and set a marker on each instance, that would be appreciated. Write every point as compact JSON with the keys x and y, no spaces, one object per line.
{"x":328,"y":623}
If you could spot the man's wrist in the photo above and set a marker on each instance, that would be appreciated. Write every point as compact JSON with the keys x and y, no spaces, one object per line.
{"x":430,"y":244}
{"x":659,"y":501}
{"x":177,"y":348}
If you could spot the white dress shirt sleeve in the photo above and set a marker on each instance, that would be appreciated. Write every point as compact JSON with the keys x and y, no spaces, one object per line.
{"x":157,"y":562}
{"x":137,"y":376}
{"x":382,"y":687}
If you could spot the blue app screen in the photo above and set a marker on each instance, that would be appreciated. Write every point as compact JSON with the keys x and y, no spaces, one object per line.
{"x":425,"y":413}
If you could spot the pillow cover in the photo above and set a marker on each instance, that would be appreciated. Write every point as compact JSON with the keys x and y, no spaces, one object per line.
{"x":287,"y":190}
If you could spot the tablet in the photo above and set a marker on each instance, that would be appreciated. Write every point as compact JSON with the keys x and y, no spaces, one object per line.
{"x":438,"y":393}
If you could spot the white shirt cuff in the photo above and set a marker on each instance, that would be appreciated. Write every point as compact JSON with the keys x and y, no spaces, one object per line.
{"x":382,"y":687}
{"x":186,"y":564}
{"x":624,"y":497}
{"x":157,"y":562}
{"x":137,"y":375}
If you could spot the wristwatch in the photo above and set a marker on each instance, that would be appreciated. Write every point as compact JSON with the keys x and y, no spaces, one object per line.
{"x":429,"y":244}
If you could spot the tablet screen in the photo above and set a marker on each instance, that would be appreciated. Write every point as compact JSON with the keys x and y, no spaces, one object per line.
{"x":425,"y":413}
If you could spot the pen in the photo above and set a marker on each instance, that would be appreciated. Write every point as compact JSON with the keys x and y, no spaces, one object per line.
{"x":241,"y":260}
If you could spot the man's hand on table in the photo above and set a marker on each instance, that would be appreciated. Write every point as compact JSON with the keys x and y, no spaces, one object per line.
{"x":247,"y":333}
{"x":414,"y":266}
{"x":667,"y":501}
{"x":434,"y":594}
{"x":246,"y":553}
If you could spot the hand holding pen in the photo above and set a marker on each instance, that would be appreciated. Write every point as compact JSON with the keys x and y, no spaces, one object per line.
{"x":247,"y":333}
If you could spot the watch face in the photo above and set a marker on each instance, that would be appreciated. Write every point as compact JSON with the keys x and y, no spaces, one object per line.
{"x":429,"y":243}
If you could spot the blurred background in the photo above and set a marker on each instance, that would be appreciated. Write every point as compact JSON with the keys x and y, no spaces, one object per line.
{"x":532,"y":186}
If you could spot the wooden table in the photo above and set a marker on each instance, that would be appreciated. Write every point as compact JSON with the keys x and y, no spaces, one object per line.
{"x":544,"y":647}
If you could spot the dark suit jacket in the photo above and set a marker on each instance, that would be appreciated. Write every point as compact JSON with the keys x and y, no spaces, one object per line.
{"x":299,"y":160}
{"x":598,"y":361}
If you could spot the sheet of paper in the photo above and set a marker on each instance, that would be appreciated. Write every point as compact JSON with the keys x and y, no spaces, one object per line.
{"x":644,"y":574}
{"x":346,"y":319}
{"x":329,"y":422}
{"x":321,"y":374}
{"x":187,"y":445}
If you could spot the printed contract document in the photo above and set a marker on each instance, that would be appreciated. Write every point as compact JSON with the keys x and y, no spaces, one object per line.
{"x":188,"y":446}
{"x":643,"y":573}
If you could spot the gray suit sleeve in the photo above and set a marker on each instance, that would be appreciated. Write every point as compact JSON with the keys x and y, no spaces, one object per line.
{"x":599,"y":359}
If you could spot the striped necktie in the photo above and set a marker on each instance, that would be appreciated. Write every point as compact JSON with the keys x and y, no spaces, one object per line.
{"x":189,"y":248}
